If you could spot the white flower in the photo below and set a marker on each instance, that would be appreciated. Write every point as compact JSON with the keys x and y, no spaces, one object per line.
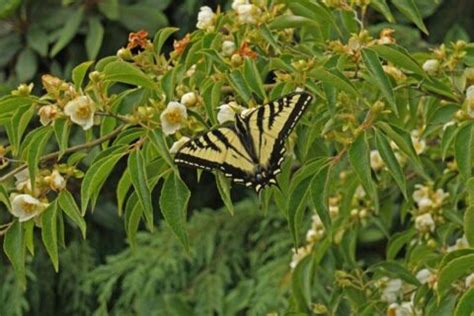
{"x":56,"y":181}
{"x":23,"y":180}
{"x":238,"y":3}
{"x":81,"y":111}
{"x":228,"y":48}
{"x":470,"y":280}
{"x":470,"y":101}
{"x":227,"y":112}
{"x":405,"y":309}
{"x":205,"y":18}
{"x":173,"y":117}
{"x":418,"y":143}
{"x":189,"y":99}
{"x":248,"y":13}
{"x":47,"y":114}
{"x":424,"y":223}
{"x":391,"y":290}
{"x":376,"y":161}
{"x":178,"y":144}
{"x":423,"y":276}
{"x":470,"y":92}
{"x":421,"y":192}
{"x":360,"y":193}
{"x":299,"y":254}
{"x":191,"y":71}
{"x":316,"y":221}
{"x":424,"y":204}
{"x":431,"y":66}
{"x":25,"y":207}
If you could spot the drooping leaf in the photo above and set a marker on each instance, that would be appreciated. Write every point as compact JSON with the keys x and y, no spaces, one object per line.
{"x":409,"y":9}
{"x":463,"y":150}
{"x":68,"y":32}
{"x":14,"y":248}
{"x":49,"y":232}
{"x":454,"y":270}
{"x":68,"y":205}
{"x":94,"y":38}
{"x":120,"y":71}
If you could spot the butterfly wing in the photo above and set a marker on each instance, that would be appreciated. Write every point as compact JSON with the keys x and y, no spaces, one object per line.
{"x":268,"y":126}
{"x":219,"y":149}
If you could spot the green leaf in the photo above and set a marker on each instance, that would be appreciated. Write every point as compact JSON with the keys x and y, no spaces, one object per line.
{"x":26,"y":65}
{"x":173,"y":204}
{"x":8,"y":7}
{"x":79,"y":73}
{"x":396,"y":270}
{"x":14,"y":248}
{"x":253,"y":79}
{"x":335,"y":79}
{"x":391,"y":162}
{"x":168,"y":84}
{"x":319,"y":188}
{"x":359,"y":158}
{"x":35,"y":149}
{"x":291,"y":21}
{"x":439,"y":88}
{"x":403,"y":140}
{"x":158,"y":141}
{"x":62,"y":128}
{"x":133,"y":219}
{"x":469,"y":214}
{"x":382,"y":7}
{"x":95,"y":177}
{"x":409,"y":9}
{"x":36,"y":39}
{"x":5,"y":197}
{"x":296,"y":206}
{"x":399,"y":57}
{"x":138,"y":176}
{"x":68,"y":32}
{"x":452,"y":271}
{"x":94,"y":37}
{"x":28,"y":227}
{"x":120,"y":71}
{"x":224,"y":191}
{"x":239,"y":84}
{"x":49,"y":232}
{"x":141,"y":16}
{"x":300,"y":286}
{"x":110,"y":8}
{"x":372,"y":62}
{"x":212,"y":98}
{"x":122,"y":189}
{"x":397,"y":242}
{"x":161,"y":36}
{"x":465,"y":304}
{"x":69,"y":206}
{"x":462,"y":150}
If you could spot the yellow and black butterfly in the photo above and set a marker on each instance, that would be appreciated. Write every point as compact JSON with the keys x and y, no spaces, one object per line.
{"x":251,"y":151}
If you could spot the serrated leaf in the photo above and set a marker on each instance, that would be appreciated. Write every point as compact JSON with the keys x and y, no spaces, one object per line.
{"x":173,"y":204}
{"x":452,"y":271}
{"x":409,"y":9}
{"x":359,"y":158}
{"x":161,"y":36}
{"x":391,"y":162}
{"x":122,"y":189}
{"x":138,"y":176}
{"x":463,"y":150}
{"x":96,"y":176}
{"x":35,"y":149}
{"x":372,"y":62}
{"x":68,"y":32}
{"x":253,"y":79}
{"x":239,"y":84}
{"x":94,"y":38}
{"x":49,"y":232}
{"x":68,"y":205}
{"x":296,"y":205}
{"x":319,"y":188}
{"x":120,"y":71}
{"x":158,"y":141}
{"x":14,"y":248}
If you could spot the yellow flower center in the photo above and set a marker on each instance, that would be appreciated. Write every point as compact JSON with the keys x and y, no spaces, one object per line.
{"x":28,"y":207}
{"x":174,"y":117}
{"x":83,"y":111}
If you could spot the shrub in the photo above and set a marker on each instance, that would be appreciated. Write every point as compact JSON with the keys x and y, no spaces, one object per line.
{"x":377,"y":187}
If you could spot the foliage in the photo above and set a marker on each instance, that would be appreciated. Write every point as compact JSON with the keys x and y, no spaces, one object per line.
{"x":380,"y":167}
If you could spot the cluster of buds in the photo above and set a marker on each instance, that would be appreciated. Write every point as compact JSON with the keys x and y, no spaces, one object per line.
{"x":361,"y":206}
{"x":428,"y":210}
{"x":313,"y":235}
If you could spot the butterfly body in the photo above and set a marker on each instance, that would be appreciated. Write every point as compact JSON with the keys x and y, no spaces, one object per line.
{"x":251,"y":151}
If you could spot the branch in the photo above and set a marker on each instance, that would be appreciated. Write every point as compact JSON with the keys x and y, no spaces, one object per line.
{"x":56,"y":154}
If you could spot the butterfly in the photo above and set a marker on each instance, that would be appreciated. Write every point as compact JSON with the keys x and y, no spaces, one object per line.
{"x":250,"y":151}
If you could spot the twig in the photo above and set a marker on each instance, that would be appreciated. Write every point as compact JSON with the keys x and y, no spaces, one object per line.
{"x":56,"y":154}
